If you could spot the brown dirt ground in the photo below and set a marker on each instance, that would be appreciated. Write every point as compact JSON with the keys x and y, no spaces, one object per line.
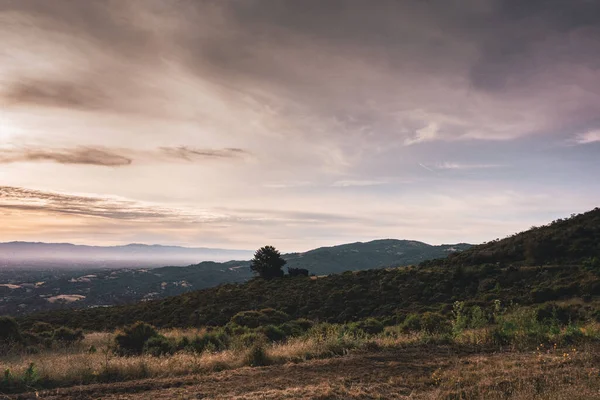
{"x":398,"y":374}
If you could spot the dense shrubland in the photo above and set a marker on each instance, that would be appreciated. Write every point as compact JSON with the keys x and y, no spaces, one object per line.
{"x":267,"y":336}
{"x":573,"y":240}
{"x":352,"y":296}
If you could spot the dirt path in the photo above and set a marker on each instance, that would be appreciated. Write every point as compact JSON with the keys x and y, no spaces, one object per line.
{"x":397,"y":374}
{"x":408,"y":368}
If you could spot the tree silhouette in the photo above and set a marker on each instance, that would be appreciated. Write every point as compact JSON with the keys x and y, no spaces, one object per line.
{"x":267,"y":262}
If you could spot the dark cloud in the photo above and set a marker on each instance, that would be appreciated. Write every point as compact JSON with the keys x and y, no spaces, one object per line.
{"x":525,"y":38}
{"x":395,"y":67}
{"x":79,"y":155}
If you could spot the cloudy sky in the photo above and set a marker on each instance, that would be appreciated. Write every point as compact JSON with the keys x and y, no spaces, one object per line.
{"x":296,"y":123}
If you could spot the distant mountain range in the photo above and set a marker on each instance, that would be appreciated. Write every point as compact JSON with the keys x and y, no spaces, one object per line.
{"x":67,"y":255}
{"x":27,"y":290}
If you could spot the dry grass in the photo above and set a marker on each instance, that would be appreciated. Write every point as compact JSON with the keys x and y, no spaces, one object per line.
{"x":433,"y":368}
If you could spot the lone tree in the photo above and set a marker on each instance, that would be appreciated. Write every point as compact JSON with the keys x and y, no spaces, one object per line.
{"x":267,"y":263}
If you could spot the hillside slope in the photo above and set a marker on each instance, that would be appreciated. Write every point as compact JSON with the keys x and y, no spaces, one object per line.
{"x":385,"y":293}
{"x":568,"y":240}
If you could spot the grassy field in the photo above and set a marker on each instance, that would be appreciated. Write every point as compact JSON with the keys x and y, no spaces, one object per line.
{"x":328,"y":362}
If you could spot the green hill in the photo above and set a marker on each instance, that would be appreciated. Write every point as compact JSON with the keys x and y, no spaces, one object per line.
{"x":104,"y":287}
{"x":569,"y":240}
{"x":388,"y":293}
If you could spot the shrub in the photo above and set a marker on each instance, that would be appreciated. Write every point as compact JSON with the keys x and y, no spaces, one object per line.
{"x":478,"y":318}
{"x":591,"y":263}
{"x":273,"y":333}
{"x":296,"y":327}
{"x":159,"y":345}
{"x":501,"y":336}
{"x":210,"y":341}
{"x":250,"y":339}
{"x":42,"y":327}
{"x":254,"y":319}
{"x":370,"y":326}
{"x":249,"y":319}
{"x":572,"y":334}
{"x":9,"y":331}
{"x":297,"y":272}
{"x":271,"y":316}
{"x":133,"y":338}
{"x":412,"y":323}
{"x":67,"y":336}
{"x":460,"y":319}
{"x":257,"y":356}
{"x":435,"y":323}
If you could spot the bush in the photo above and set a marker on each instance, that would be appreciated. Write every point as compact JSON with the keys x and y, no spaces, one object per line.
{"x":9,"y":331}
{"x":478,"y":318}
{"x":591,"y":263}
{"x":254,"y":319}
{"x":249,"y":319}
{"x":370,"y":326}
{"x":296,"y":327}
{"x":257,"y":356}
{"x":297,"y":272}
{"x":435,"y":323}
{"x":42,"y":327}
{"x":67,"y":336}
{"x":210,"y":341}
{"x":133,"y":338}
{"x":412,"y":323}
{"x":273,"y":333}
{"x":250,"y":339}
{"x":159,"y":345}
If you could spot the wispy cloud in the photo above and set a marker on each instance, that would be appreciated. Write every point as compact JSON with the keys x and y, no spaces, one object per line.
{"x":192,"y":154}
{"x":459,"y":166}
{"x":364,"y":182}
{"x":79,"y":155}
{"x":16,"y":198}
{"x":588,"y":137}
{"x":107,"y":157}
{"x":286,"y":184}
{"x":427,"y":134}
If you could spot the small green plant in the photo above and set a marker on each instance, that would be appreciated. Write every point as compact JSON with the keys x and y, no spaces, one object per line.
{"x":591,"y":263}
{"x":459,"y":319}
{"x":478,"y":318}
{"x":30,"y":376}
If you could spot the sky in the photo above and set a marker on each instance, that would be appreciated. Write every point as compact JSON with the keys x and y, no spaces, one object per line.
{"x":299,"y":124}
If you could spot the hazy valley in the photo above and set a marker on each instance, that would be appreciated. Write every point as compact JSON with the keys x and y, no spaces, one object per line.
{"x":38,"y":288}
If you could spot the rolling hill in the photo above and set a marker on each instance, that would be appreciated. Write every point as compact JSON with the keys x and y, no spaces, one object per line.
{"x":393,"y":292}
{"x":566,"y":240}
{"x":26,"y":291}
